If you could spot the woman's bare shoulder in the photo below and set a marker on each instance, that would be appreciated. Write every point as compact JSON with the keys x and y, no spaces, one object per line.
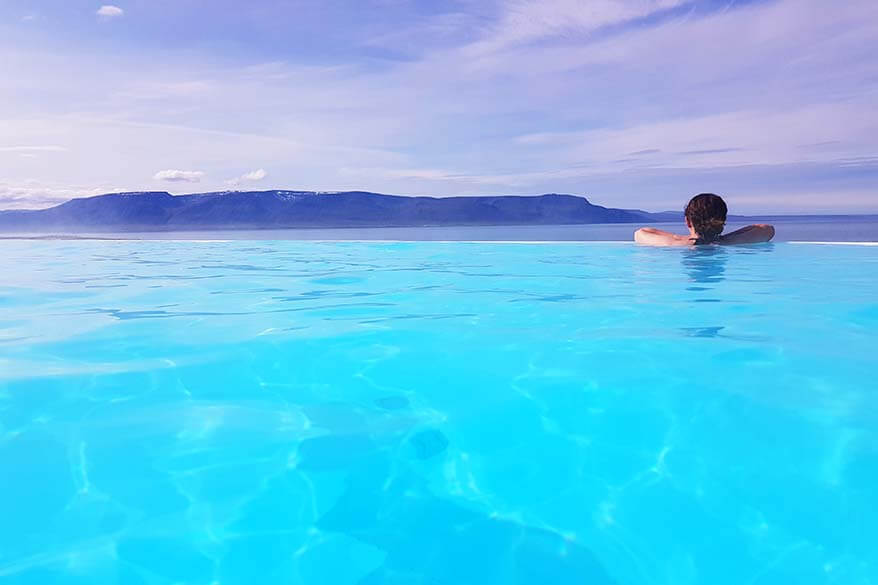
{"x":656,"y":237}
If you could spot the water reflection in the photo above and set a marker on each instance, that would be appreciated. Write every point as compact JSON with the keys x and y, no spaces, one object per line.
{"x":706,"y":267}
{"x":705,"y":264}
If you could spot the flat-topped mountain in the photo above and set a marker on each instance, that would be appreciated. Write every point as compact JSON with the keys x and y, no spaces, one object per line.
{"x":159,"y":210}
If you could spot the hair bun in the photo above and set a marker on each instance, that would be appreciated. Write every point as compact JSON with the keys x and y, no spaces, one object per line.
{"x":706,"y":215}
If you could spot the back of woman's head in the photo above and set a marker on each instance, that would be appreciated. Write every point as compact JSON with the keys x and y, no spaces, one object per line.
{"x":706,"y":214}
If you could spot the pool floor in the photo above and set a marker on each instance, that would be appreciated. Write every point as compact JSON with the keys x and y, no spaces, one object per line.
{"x":249,"y":412}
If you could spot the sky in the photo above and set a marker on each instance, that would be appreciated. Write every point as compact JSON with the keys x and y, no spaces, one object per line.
{"x":631,"y":103}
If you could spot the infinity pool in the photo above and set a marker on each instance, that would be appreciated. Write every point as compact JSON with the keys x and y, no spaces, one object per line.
{"x":290,"y":412}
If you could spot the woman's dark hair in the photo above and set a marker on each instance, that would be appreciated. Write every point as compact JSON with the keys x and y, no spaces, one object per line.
{"x":706,"y":213}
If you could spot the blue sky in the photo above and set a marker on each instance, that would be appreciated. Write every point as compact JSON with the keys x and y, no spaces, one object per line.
{"x":633,"y":103}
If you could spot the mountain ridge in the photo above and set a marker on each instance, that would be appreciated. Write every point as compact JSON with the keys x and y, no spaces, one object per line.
{"x":284,"y":208}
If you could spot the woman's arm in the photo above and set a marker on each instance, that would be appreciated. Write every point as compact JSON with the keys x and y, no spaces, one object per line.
{"x":653,"y":237}
{"x":752,"y":234}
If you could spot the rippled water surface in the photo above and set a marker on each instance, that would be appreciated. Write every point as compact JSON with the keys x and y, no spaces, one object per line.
{"x":422,"y":413}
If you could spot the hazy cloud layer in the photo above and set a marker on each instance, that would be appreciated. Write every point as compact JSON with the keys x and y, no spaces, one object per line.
{"x":635,"y":103}
{"x":34,"y":194}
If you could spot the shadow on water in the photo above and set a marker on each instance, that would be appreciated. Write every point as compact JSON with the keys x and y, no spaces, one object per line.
{"x":389,"y":502}
{"x":432,"y":540}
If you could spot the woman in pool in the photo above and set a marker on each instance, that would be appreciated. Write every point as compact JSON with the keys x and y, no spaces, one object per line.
{"x":705,"y":218}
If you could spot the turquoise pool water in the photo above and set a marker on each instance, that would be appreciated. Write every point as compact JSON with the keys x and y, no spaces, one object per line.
{"x":423,"y":413}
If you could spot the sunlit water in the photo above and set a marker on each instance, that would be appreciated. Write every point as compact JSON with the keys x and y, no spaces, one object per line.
{"x":351,"y":413}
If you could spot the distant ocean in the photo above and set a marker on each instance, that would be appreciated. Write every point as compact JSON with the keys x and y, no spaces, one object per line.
{"x":824,"y":229}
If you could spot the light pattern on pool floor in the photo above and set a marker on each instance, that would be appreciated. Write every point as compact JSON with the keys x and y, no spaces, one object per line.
{"x":353,"y":413}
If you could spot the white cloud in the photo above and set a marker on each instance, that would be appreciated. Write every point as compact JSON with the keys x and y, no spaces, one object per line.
{"x":525,"y":21}
{"x":176,"y":176}
{"x":164,"y":90}
{"x":256,"y":175}
{"x":780,"y":137}
{"x":32,"y":149}
{"x":109,"y":11}
{"x":251,"y":177}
